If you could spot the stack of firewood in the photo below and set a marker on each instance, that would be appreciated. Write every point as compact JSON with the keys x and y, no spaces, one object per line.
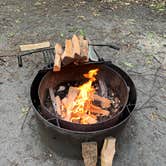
{"x":76,"y":51}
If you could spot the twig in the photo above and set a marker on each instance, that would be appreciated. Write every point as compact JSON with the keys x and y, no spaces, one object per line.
{"x":22,"y":126}
{"x":156,"y":59}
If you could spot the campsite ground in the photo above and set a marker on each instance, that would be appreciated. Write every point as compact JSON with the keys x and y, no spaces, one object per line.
{"x":138,"y":29}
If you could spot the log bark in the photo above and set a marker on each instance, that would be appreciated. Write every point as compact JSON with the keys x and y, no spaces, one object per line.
{"x":89,"y":153}
{"x":58,"y":55}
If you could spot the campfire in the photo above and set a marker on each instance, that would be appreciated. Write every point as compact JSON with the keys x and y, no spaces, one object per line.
{"x":80,"y":101}
{"x":82,"y":104}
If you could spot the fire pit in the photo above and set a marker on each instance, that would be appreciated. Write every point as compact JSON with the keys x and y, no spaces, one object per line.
{"x":67,"y":142}
{"x":65,"y":137}
{"x":115,"y":88}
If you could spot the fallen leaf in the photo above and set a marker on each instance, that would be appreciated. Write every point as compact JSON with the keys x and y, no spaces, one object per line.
{"x":95,"y":13}
{"x":82,"y":32}
{"x":17,"y":21}
{"x":130,"y":65}
{"x":37,"y":3}
{"x":62,"y":35}
{"x":24,"y":111}
{"x":82,"y":17}
{"x":11,"y":34}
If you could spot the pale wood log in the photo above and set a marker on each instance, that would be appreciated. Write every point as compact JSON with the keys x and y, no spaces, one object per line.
{"x":68,"y":56}
{"x":108,"y":151}
{"x":57,"y":59}
{"x":83,"y":49}
{"x":29,"y":47}
{"x":58,"y":105}
{"x":76,"y":47}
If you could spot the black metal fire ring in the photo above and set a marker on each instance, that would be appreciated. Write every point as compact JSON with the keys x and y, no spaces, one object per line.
{"x":131,"y":105}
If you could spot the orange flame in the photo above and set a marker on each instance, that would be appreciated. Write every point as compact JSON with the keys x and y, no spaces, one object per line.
{"x":84,"y":99}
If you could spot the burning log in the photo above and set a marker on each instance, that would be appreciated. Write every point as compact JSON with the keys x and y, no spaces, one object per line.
{"x":57,"y":60}
{"x":84,"y":49}
{"x":89,"y":153}
{"x":68,"y":101}
{"x":98,"y":110}
{"x":83,"y":118}
{"x":68,"y":56}
{"x":88,"y":119}
{"x":105,"y":103}
{"x":71,"y":96}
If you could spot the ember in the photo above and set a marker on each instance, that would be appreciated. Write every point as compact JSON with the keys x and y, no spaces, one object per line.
{"x":78,"y":105}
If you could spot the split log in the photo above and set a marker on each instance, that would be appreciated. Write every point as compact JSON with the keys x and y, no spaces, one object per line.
{"x":83,"y":49}
{"x":108,"y":151}
{"x":89,"y":153}
{"x":55,"y":103}
{"x":105,"y":103}
{"x":58,"y":105}
{"x":76,"y":47}
{"x":57,"y":60}
{"x":98,"y":110}
{"x":68,"y":56}
{"x":84,"y":118}
{"x":72,"y":93}
{"x":87,"y":119}
{"x":28,"y":47}
{"x":103,"y":87}
{"x":68,"y":101}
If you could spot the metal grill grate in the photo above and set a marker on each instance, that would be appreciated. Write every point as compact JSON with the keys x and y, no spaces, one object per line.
{"x":48,"y":54}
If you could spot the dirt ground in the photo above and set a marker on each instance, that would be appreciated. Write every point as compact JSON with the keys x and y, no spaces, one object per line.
{"x":139,"y":30}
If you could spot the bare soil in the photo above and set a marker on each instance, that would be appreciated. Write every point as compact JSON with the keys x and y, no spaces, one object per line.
{"x":138,"y":29}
